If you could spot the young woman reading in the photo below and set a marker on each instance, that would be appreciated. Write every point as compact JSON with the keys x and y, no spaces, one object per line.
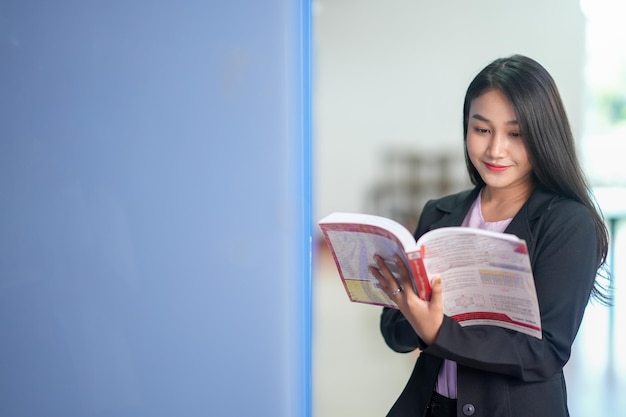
{"x":520,"y":155}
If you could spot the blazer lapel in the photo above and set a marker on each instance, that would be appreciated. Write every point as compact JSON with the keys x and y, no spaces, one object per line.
{"x":454,"y":210}
{"x":538,"y":203}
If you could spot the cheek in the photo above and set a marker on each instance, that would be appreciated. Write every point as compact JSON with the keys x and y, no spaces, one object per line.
{"x":522,"y":155}
{"x":473,"y":147}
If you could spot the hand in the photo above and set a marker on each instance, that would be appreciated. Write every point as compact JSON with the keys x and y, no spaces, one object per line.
{"x":425,"y":317}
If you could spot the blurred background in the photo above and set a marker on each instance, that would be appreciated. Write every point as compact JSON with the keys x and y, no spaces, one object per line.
{"x":388,"y":84}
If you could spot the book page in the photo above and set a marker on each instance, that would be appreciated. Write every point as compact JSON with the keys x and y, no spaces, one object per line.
{"x":486,"y":278}
{"x":353,"y":249}
{"x":369,"y":223}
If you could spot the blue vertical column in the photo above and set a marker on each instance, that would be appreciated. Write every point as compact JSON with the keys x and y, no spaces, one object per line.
{"x":154,"y":208}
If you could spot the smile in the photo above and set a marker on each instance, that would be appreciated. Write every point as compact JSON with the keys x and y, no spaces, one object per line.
{"x":496,"y":168}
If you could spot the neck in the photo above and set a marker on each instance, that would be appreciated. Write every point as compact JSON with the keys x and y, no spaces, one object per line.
{"x":499,"y":204}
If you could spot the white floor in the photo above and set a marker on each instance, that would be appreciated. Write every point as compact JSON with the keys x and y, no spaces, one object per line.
{"x":356,"y":374}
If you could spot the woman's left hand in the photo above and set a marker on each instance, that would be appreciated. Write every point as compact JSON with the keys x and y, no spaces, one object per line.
{"x":425,"y":316}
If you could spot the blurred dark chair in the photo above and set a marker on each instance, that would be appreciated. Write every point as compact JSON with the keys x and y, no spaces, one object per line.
{"x":410,"y":179}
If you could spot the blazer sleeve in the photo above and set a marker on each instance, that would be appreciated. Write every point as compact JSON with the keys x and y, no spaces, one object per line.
{"x":398,"y":332}
{"x":565,"y":263}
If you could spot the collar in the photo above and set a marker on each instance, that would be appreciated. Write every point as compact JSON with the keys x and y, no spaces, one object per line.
{"x":456,"y":207}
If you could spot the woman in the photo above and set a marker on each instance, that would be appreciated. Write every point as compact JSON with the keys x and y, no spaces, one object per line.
{"x":521,"y":157}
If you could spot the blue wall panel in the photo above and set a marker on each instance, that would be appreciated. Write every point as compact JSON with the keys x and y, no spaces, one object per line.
{"x":154,"y":208}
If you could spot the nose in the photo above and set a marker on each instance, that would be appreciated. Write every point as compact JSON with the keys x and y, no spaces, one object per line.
{"x":497,"y":145}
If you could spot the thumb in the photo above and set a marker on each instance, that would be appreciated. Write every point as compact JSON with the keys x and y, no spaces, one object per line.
{"x":436,"y":297}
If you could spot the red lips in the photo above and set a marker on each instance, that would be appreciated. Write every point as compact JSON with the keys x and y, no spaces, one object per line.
{"x":496,"y":168}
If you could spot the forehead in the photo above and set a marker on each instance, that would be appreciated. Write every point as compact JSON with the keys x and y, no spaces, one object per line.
{"x":492,"y":105}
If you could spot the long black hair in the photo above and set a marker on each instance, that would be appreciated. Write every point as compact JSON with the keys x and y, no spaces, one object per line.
{"x":548,"y":138}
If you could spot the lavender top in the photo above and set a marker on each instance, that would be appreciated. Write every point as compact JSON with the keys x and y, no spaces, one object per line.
{"x":446,"y":382}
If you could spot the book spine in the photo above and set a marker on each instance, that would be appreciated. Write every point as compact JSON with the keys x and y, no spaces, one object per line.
{"x":422,"y":283}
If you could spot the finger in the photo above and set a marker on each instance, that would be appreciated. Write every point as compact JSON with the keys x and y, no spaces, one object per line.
{"x":386,"y":278}
{"x":436,"y":297}
{"x":376,"y":274}
{"x":379,"y":276}
{"x":383,"y":268}
{"x":403,"y":273}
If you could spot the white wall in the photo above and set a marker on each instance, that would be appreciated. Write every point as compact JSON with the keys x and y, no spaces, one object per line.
{"x":394,"y":73}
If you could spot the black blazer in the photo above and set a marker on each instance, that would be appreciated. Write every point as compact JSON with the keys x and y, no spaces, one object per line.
{"x":501,"y":372}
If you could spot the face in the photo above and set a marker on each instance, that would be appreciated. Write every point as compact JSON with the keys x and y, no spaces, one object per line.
{"x":495,"y":145}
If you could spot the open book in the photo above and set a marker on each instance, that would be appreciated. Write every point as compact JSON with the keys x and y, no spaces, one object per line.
{"x":486,"y":276}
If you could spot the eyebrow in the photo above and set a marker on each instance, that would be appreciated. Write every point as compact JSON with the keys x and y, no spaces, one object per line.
{"x":484,"y":119}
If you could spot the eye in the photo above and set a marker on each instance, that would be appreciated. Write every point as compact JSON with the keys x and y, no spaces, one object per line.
{"x":516,"y":134}
{"x":481,"y":130}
